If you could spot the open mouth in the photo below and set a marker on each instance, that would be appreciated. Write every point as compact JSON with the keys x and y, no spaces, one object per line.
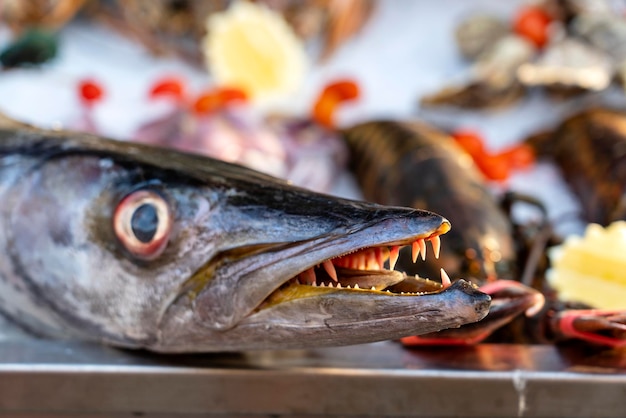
{"x":370,"y":269}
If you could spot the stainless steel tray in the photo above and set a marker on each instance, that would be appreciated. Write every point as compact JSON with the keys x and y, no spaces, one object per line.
{"x":51,"y":379}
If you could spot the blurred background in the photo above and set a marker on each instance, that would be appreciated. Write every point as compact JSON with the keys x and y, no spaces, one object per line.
{"x":397,"y":53}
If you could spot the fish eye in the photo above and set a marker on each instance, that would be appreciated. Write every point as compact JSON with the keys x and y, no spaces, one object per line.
{"x":142,"y":222}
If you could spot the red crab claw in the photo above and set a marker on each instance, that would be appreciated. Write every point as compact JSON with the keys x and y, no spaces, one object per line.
{"x":508,"y":300}
{"x":598,"y":326}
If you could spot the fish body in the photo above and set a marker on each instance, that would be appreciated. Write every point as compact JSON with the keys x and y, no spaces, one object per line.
{"x":412,"y":164}
{"x":143,"y":247}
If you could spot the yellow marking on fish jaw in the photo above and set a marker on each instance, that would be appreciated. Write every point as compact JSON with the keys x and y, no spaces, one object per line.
{"x":199,"y":280}
{"x":293,"y":292}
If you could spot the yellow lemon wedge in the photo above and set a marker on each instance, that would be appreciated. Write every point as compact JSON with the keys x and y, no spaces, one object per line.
{"x":251,"y":47}
{"x":592,"y":268}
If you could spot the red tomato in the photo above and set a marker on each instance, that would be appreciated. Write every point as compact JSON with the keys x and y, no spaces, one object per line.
{"x":207,"y":102}
{"x":333,"y":94}
{"x":494,"y":167}
{"x":324,"y":110}
{"x":344,"y":89}
{"x":90,"y":91}
{"x":169,"y":87}
{"x":216,"y":99}
{"x":231,"y":94}
{"x":520,"y":156}
{"x":532,"y":23}
{"x":470,"y":141}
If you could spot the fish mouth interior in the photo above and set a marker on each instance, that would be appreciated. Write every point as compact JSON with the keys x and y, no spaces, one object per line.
{"x":369,"y":269}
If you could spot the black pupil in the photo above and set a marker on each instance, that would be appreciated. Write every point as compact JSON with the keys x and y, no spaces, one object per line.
{"x":144,"y":223}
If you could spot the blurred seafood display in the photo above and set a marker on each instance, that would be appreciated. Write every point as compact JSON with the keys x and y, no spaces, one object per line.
{"x":178,"y":28}
{"x":431,"y":171}
{"x":220,"y":123}
{"x":594,"y":258}
{"x":589,"y":149}
{"x":414,"y":164}
{"x":296,"y":149}
{"x":49,"y":14}
{"x":565,"y":47}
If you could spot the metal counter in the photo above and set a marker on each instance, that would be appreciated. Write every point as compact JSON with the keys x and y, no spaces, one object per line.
{"x":54,"y":379}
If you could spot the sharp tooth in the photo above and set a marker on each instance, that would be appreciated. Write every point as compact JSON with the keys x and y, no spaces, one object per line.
{"x":368,"y":261}
{"x":379,"y":258}
{"x":308,"y":276}
{"x":322,"y":284}
{"x":330,"y":269}
{"x":338,"y":285}
{"x":415,"y":250}
{"x":373,"y":288}
{"x":372,"y":261}
{"x":422,"y":245}
{"x":347,"y":287}
{"x":445,"y":279}
{"x":314,"y":284}
{"x":376,"y":261}
{"x":393,"y":256}
{"x":356,"y":286}
{"x":436,"y":242}
{"x":363,"y":262}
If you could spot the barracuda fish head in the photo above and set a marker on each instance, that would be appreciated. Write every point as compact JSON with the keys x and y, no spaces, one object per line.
{"x":144,"y":247}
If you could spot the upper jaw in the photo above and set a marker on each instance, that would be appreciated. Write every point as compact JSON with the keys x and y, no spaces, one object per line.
{"x":372,"y":268}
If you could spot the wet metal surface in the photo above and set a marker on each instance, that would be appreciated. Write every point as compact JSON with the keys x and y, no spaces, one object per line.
{"x":53,"y":379}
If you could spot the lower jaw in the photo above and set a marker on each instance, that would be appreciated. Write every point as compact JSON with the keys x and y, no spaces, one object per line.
{"x":407,"y":286}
